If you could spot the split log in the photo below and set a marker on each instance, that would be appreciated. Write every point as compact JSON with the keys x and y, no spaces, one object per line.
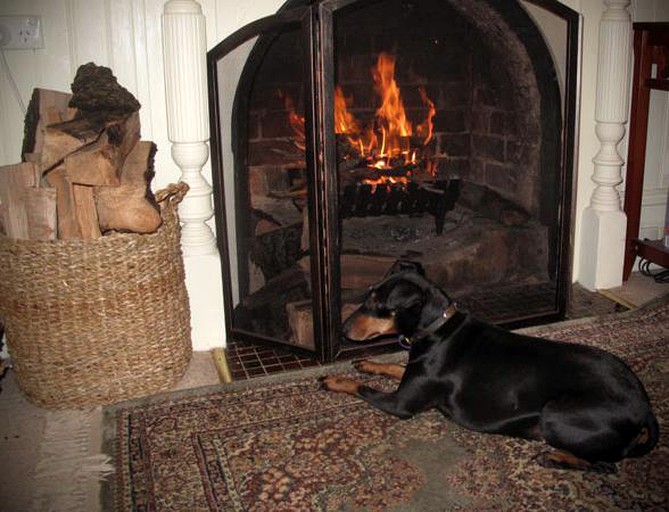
{"x":77,"y":217}
{"x":14,"y":181}
{"x":100,"y":162}
{"x":358,"y":271}
{"x":40,"y":204}
{"x":86,"y":214}
{"x":265,"y":310}
{"x":46,"y":107}
{"x":68,"y":228}
{"x":131,"y":206}
{"x":301,"y":321}
{"x":61,"y":139}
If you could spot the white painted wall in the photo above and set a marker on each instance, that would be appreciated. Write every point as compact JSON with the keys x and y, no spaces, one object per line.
{"x":126,"y":36}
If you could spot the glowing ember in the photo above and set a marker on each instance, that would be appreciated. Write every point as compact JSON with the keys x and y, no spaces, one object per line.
{"x":387,"y":181}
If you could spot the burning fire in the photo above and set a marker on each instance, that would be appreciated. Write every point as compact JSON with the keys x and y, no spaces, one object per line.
{"x":387,"y":142}
{"x":389,"y":139}
{"x":295,"y":120}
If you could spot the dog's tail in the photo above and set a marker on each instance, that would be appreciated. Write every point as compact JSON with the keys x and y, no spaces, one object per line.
{"x":647,"y":438}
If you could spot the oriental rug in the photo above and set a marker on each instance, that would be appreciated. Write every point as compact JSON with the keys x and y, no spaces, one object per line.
{"x":283,"y":444}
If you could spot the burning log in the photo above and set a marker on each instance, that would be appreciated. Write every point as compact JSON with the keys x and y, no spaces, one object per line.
{"x":374,"y":174}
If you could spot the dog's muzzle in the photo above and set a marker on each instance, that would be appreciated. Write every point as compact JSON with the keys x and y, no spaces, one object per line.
{"x":363,"y":326}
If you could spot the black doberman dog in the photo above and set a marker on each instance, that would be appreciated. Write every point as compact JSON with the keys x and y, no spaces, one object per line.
{"x":584,"y":402}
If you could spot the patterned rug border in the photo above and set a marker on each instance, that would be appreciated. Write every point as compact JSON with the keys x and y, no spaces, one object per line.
{"x":109,"y":444}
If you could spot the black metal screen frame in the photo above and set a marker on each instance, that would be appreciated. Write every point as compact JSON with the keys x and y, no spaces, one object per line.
{"x":315,"y":20}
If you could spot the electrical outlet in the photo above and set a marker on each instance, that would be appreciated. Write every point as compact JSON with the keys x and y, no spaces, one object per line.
{"x":21,"y":32}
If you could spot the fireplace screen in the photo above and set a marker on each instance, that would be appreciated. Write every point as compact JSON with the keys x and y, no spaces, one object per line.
{"x":347,"y":135}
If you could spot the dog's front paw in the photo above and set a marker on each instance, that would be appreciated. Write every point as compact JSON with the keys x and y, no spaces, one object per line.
{"x":366,"y":366}
{"x":340,"y":385}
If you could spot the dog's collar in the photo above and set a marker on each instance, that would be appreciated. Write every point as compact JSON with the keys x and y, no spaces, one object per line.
{"x":407,"y":342}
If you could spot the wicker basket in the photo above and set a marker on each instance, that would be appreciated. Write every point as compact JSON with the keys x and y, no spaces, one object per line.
{"x":92,"y":322}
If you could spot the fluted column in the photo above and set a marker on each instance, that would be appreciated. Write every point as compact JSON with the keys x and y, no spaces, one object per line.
{"x":604,"y":222}
{"x":184,"y":47}
{"x":187,"y":118}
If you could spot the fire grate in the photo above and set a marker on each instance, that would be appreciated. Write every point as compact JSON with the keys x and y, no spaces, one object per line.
{"x":434,"y":197}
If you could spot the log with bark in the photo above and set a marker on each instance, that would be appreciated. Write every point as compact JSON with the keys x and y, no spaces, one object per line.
{"x":46,"y":108}
{"x":131,"y":206}
{"x":100,"y":163}
{"x":85,"y":170}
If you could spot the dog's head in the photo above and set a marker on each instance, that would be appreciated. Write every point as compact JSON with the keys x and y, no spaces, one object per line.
{"x":398,"y":304}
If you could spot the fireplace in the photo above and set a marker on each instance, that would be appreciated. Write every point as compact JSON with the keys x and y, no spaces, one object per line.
{"x":348,"y":135}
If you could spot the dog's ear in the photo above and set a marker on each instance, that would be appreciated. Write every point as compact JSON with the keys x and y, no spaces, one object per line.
{"x":406,"y":266}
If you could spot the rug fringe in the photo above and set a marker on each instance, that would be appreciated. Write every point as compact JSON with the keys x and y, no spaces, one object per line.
{"x":67,"y":474}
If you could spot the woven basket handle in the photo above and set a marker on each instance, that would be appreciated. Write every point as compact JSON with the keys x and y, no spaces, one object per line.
{"x":174,"y":193}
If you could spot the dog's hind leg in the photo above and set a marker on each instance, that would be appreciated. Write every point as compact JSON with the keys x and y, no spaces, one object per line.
{"x":393,"y":371}
{"x":589,"y":432}
{"x":564,"y":460}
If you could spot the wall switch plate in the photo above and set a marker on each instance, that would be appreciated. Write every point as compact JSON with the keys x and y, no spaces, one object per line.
{"x":21,"y":32}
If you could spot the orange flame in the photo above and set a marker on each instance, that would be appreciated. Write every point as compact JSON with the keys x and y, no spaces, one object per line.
{"x":389,"y":136}
{"x":347,"y":124}
{"x":295,"y":120}
{"x":391,"y":114}
{"x":425,"y":128}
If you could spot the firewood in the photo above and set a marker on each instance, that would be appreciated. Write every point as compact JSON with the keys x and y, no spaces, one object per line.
{"x":87,"y":217}
{"x":95,"y":89}
{"x":34,"y":158}
{"x":100,"y":163}
{"x":40,"y":204}
{"x":68,"y":227}
{"x":357,"y":270}
{"x":46,"y":107}
{"x":61,"y":139}
{"x":300,"y":320}
{"x":77,"y":217}
{"x":131,"y":206}
{"x":14,"y":181}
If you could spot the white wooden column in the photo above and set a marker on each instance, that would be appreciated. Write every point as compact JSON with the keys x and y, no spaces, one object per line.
{"x":604,"y":223}
{"x":184,"y":46}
